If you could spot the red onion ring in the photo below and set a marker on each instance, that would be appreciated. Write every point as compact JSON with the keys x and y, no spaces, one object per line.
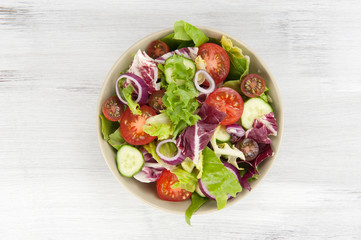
{"x":208,"y":78}
{"x":142,"y":88}
{"x":177,"y":159}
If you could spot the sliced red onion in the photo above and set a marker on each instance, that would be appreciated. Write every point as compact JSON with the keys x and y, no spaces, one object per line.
{"x":236,"y":131}
{"x":177,"y":159}
{"x":208,"y":78}
{"x":233,"y":170}
{"x":141,"y":86}
{"x":204,"y":188}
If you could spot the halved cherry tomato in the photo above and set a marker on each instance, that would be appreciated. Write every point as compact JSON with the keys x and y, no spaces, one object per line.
{"x":113,"y":109}
{"x":155,"y":101}
{"x":217,"y":61}
{"x":253,"y":85}
{"x":249,"y":147}
{"x":166,"y":192}
{"x":131,"y":126}
{"x":228,"y":101}
{"x":157,"y":49}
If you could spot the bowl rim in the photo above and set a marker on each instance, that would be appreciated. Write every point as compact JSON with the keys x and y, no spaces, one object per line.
{"x":275,"y":90}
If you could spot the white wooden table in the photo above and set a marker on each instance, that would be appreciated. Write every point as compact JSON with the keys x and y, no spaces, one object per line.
{"x":54,"y":56}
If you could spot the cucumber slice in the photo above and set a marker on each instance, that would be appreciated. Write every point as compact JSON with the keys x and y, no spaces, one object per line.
{"x":254,"y":108}
{"x":221,"y":134}
{"x":179,"y":69}
{"x":129,"y":160}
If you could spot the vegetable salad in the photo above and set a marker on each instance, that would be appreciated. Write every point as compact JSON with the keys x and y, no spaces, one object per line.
{"x":188,"y":115}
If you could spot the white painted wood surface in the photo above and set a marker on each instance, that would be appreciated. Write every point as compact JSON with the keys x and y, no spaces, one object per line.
{"x":54,"y":56}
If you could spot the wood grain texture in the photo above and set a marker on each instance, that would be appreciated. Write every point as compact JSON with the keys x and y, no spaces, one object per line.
{"x":54,"y":56}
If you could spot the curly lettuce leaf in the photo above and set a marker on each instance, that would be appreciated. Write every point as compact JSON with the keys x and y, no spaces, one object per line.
{"x":181,"y":104}
{"x":186,"y":32}
{"x":197,"y":202}
{"x":240,"y":62}
{"x":159,"y":126}
{"x":186,"y":180}
{"x":116,"y":139}
{"x":127,"y":95}
{"x":219,"y":181}
{"x":108,"y":127}
{"x":176,"y":71}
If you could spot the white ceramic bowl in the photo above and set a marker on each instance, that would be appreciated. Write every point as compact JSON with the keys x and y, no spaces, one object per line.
{"x":147,"y":191}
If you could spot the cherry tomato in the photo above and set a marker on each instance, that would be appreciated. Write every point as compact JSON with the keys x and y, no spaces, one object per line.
{"x":166,"y":192}
{"x":217,"y":61}
{"x":249,"y":147}
{"x":113,"y":109}
{"x":228,"y":101}
{"x":131,"y":126}
{"x":155,"y":101}
{"x":253,"y":85}
{"x":157,"y":49}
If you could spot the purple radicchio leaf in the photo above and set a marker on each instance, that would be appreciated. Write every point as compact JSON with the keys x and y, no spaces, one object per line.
{"x":263,"y":127}
{"x":195,"y":138}
{"x":146,"y":68}
{"x":151,"y":170}
{"x":265,"y":153}
{"x":188,"y":52}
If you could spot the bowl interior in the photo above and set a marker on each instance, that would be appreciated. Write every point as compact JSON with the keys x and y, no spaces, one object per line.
{"x":147,"y":191}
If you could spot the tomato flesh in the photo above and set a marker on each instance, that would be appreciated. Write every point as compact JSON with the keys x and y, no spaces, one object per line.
{"x":155,"y":101}
{"x":166,"y":192}
{"x":157,"y":48}
{"x":217,"y":61}
{"x":228,"y":101}
{"x":131,"y":126}
{"x":253,"y":85}
{"x":113,"y":109}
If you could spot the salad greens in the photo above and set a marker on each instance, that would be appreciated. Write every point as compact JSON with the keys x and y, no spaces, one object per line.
{"x":178,"y":71}
{"x":127,"y":94}
{"x":186,"y":180}
{"x":116,"y":139}
{"x":108,"y":127}
{"x":240,"y":62}
{"x":219,"y":180}
{"x":181,"y":104}
{"x":177,"y":126}
{"x":160,"y":126}
{"x":197,"y":202}
{"x":185,"y":31}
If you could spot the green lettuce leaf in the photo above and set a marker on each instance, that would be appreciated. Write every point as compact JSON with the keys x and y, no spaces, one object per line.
{"x":177,"y":71}
{"x":219,"y":181}
{"x":171,"y":42}
{"x":159,"y":126}
{"x":197,"y":202}
{"x":186,"y":32}
{"x":150,"y":147}
{"x":116,"y":139}
{"x":181,"y":104}
{"x":264,"y":96}
{"x":234,"y":84}
{"x":127,"y":95}
{"x":186,"y":180}
{"x":240,"y":62}
{"x":108,"y":127}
